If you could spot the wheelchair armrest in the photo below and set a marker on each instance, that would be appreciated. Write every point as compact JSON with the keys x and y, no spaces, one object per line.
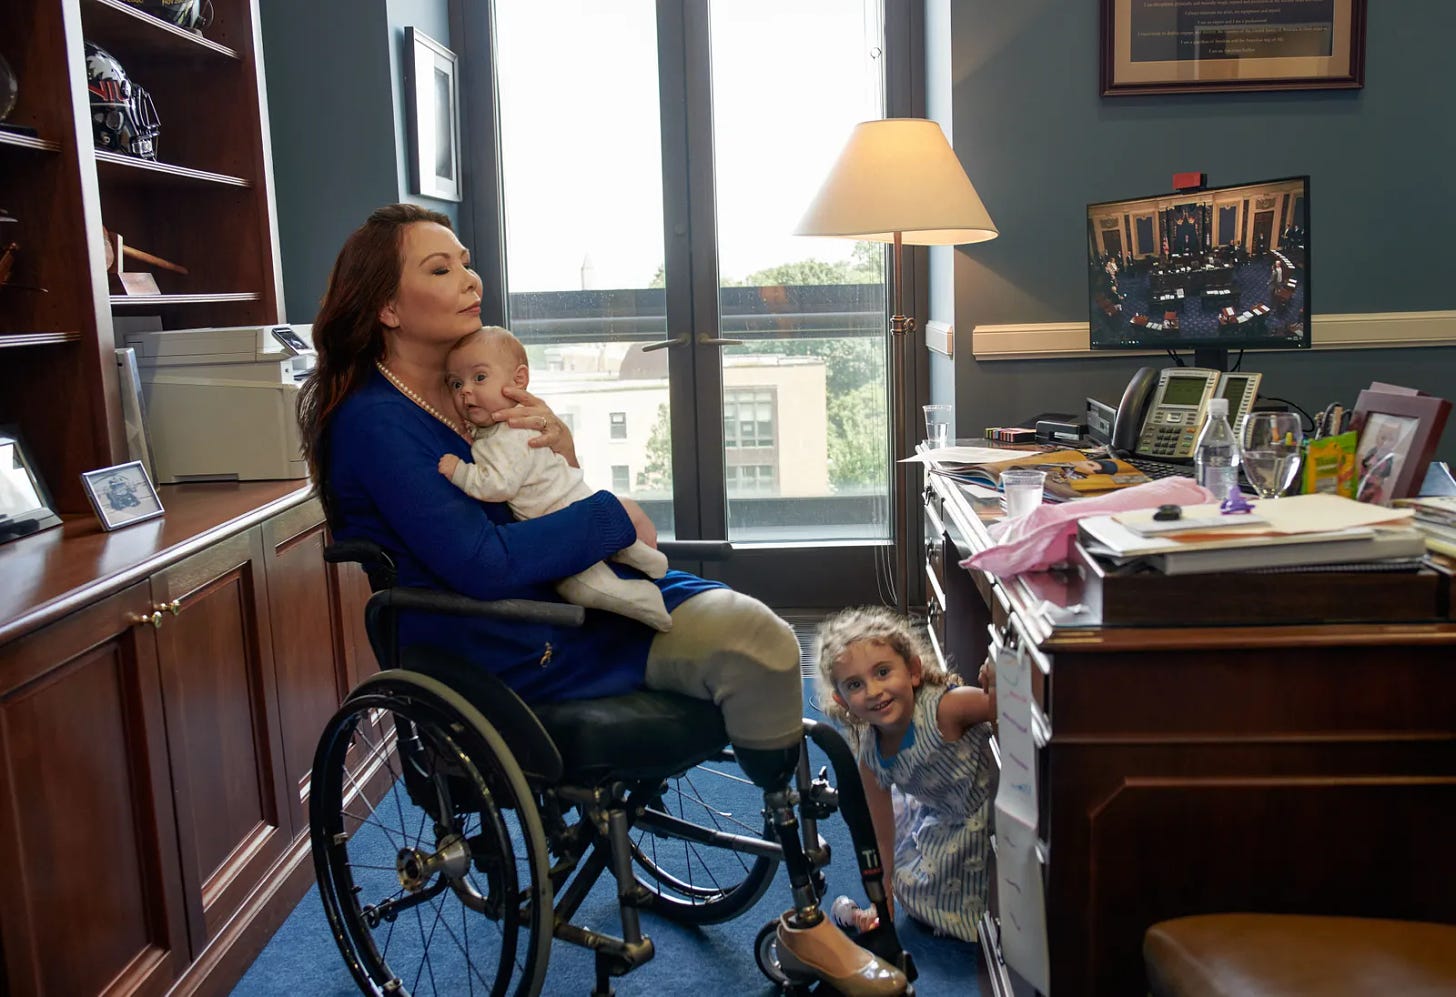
{"x":696,"y":550}
{"x":374,"y":559}
{"x":454,"y":604}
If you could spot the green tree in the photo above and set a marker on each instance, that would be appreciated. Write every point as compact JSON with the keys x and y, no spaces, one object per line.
{"x":857,"y":440}
{"x":657,"y":475}
{"x":866,"y":265}
{"x":854,"y":374}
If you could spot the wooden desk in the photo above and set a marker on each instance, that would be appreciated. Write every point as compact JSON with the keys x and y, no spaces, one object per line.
{"x":1292,"y":769}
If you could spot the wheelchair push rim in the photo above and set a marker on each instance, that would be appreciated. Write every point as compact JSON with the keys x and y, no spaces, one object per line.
{"x":701,"y":846}
{"x":441,"y":884}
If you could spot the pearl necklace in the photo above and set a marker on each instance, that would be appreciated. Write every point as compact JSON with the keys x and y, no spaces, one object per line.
{"x":409,"y":393}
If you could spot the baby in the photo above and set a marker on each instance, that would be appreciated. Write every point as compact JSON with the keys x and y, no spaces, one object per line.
{"x":534,"y":481}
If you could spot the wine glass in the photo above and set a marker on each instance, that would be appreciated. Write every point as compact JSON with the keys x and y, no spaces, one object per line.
{"x":1271,"y":451}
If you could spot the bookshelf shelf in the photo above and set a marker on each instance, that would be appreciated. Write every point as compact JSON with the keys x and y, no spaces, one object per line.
{"x":114,"y":167}
{"x":112,"y":22}
{"x":15,"y":340}
{"x":19,"y":141}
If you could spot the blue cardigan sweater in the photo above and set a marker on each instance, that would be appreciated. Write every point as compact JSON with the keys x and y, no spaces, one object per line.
{"x":384,"y":486}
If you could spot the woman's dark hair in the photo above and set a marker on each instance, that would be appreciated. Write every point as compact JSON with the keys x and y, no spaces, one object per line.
{"x":346,"y":334}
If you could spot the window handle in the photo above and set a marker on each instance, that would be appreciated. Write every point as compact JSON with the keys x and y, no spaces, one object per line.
{"x":705,"y":340}
{"x":664,"y":344}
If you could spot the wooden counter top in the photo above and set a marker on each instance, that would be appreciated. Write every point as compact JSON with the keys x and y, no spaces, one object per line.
{"x":45,"y":576}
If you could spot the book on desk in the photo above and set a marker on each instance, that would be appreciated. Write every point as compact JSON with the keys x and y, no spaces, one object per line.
{"x":1300,"y":530}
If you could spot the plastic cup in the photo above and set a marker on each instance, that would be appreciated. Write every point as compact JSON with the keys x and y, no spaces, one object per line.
{"x":937,"y":426}
{"x":1021,"y":491}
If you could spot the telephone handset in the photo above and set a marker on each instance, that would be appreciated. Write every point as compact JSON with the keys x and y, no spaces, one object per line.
{"x":1162,"y":410}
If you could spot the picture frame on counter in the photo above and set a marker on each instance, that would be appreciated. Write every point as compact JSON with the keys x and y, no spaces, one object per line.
{"x":25,"y":503}
{"x":122,"y":495}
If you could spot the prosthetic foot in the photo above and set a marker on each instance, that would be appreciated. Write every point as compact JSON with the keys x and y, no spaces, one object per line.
{"x":823,"y":951}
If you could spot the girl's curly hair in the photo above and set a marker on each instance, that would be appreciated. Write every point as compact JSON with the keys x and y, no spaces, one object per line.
{"x":878,"y":625}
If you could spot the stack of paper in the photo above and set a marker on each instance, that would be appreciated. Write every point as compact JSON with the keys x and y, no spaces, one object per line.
{"x":1435,"y":517}
{"x":1298,"y":531}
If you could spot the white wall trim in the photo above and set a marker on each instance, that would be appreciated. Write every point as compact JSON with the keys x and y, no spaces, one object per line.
{"x":1365,"y":331}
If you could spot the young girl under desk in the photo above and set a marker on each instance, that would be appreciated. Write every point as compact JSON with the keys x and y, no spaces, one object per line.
{"x":915,"y":728}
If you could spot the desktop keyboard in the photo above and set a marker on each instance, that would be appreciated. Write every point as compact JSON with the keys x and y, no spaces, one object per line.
{"x":1154,"y":468}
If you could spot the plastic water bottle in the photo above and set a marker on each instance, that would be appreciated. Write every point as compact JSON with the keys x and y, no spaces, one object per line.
{"x":1216,"y":454}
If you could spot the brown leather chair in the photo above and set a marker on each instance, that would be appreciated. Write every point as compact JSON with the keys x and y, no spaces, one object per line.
{"x":1261,"y":955}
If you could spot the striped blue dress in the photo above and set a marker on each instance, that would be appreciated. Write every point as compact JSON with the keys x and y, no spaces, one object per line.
{"x":942,"y":830}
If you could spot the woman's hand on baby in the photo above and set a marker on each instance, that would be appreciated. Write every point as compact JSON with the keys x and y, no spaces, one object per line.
{"x":530,"y":412}
{"x":987,"y":680}
{"x":448,"y":464}
{"x":646,"y":528}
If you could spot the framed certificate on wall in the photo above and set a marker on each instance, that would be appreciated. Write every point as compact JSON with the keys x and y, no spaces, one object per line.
{"x":1186,"y":46}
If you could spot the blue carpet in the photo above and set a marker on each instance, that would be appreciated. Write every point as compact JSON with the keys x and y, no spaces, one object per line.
{"x":302,"y":959}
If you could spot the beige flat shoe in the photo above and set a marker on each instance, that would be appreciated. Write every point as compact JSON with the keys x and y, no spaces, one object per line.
{"x":826,"y":952}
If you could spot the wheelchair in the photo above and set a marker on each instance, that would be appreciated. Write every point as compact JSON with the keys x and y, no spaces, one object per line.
{"x":456,"y":832}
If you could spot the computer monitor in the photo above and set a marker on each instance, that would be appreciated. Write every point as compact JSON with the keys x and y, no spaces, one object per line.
{"x":1212,"y":270}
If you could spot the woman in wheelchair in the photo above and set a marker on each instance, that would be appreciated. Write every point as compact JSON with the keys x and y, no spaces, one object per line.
{"x":376,"y":414}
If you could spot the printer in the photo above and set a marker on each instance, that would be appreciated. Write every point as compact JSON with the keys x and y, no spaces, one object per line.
{"x":221,"y":403}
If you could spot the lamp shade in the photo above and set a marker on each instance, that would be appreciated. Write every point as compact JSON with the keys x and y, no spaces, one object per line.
{"x":898,"y":175}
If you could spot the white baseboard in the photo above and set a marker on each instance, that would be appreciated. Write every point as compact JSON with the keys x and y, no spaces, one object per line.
{"x":1364,"y":331}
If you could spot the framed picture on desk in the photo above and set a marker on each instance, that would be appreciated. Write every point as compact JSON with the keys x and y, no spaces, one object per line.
{"x":1397,"y":438}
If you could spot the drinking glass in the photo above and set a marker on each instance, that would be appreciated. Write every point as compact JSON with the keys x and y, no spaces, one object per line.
{"x":1021,"y":491}
{"x":937,"y":426}
{"x":1271,"y":451}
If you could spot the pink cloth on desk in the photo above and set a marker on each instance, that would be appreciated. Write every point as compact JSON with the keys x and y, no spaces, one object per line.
{"x":1044,"y":537}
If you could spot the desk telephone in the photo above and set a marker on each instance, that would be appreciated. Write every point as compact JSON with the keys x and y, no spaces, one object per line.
{"x":1162,"y":410}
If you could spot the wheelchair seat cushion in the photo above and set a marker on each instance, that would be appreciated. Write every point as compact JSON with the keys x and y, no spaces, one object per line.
{"x":639,"y":735}
{"x":642,"y":735}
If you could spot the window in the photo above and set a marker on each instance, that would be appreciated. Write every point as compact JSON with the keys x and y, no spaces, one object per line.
{"x":744,"y":479}
{"x":619,"y":425}
{"x":621,"y":479}
{"x":748,"y":418}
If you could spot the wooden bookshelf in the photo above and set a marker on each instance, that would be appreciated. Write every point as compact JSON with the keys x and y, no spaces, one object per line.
{"x":206,"y":203}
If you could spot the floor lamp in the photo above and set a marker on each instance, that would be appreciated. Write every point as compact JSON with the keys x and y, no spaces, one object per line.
{"x":898,"y":181}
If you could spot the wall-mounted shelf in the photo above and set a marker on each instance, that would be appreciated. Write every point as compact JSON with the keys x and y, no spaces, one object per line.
{"x":12,"y":340}
{"x":112,"y":22}
{"x":120,"y":168}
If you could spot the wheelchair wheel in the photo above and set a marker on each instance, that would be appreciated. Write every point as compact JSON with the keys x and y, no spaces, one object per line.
{"x":431,"y":861}
{"x":680,"y":854}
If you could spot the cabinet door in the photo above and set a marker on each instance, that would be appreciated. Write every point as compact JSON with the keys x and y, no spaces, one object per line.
{"x":222,"y":727}
{"x":308,"y":642}
{"x":88,"y":846}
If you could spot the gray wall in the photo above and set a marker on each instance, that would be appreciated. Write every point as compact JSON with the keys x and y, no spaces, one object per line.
{"x":1040,"y":144}
{"x":336,"y":104}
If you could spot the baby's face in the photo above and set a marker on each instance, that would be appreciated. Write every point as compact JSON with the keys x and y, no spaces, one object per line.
{"x":476,"y":373}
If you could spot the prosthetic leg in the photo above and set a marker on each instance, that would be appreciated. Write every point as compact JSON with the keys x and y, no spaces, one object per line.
{"x":809,"y":944}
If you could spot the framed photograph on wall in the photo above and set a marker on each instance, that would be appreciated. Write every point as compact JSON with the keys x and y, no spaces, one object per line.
{"x":1397,"y":438}
{"x":1185,"y":46}
{"x":122,"y":495}
{"x":25,"y":505}
{"x":433,"y":104}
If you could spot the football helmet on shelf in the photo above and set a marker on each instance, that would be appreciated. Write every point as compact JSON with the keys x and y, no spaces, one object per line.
{"x":123,"y":118}
{"x":190,"y":14}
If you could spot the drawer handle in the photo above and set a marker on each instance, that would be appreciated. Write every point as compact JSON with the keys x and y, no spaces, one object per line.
{"x":174,"y":607}
{"x":154,"y":618}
